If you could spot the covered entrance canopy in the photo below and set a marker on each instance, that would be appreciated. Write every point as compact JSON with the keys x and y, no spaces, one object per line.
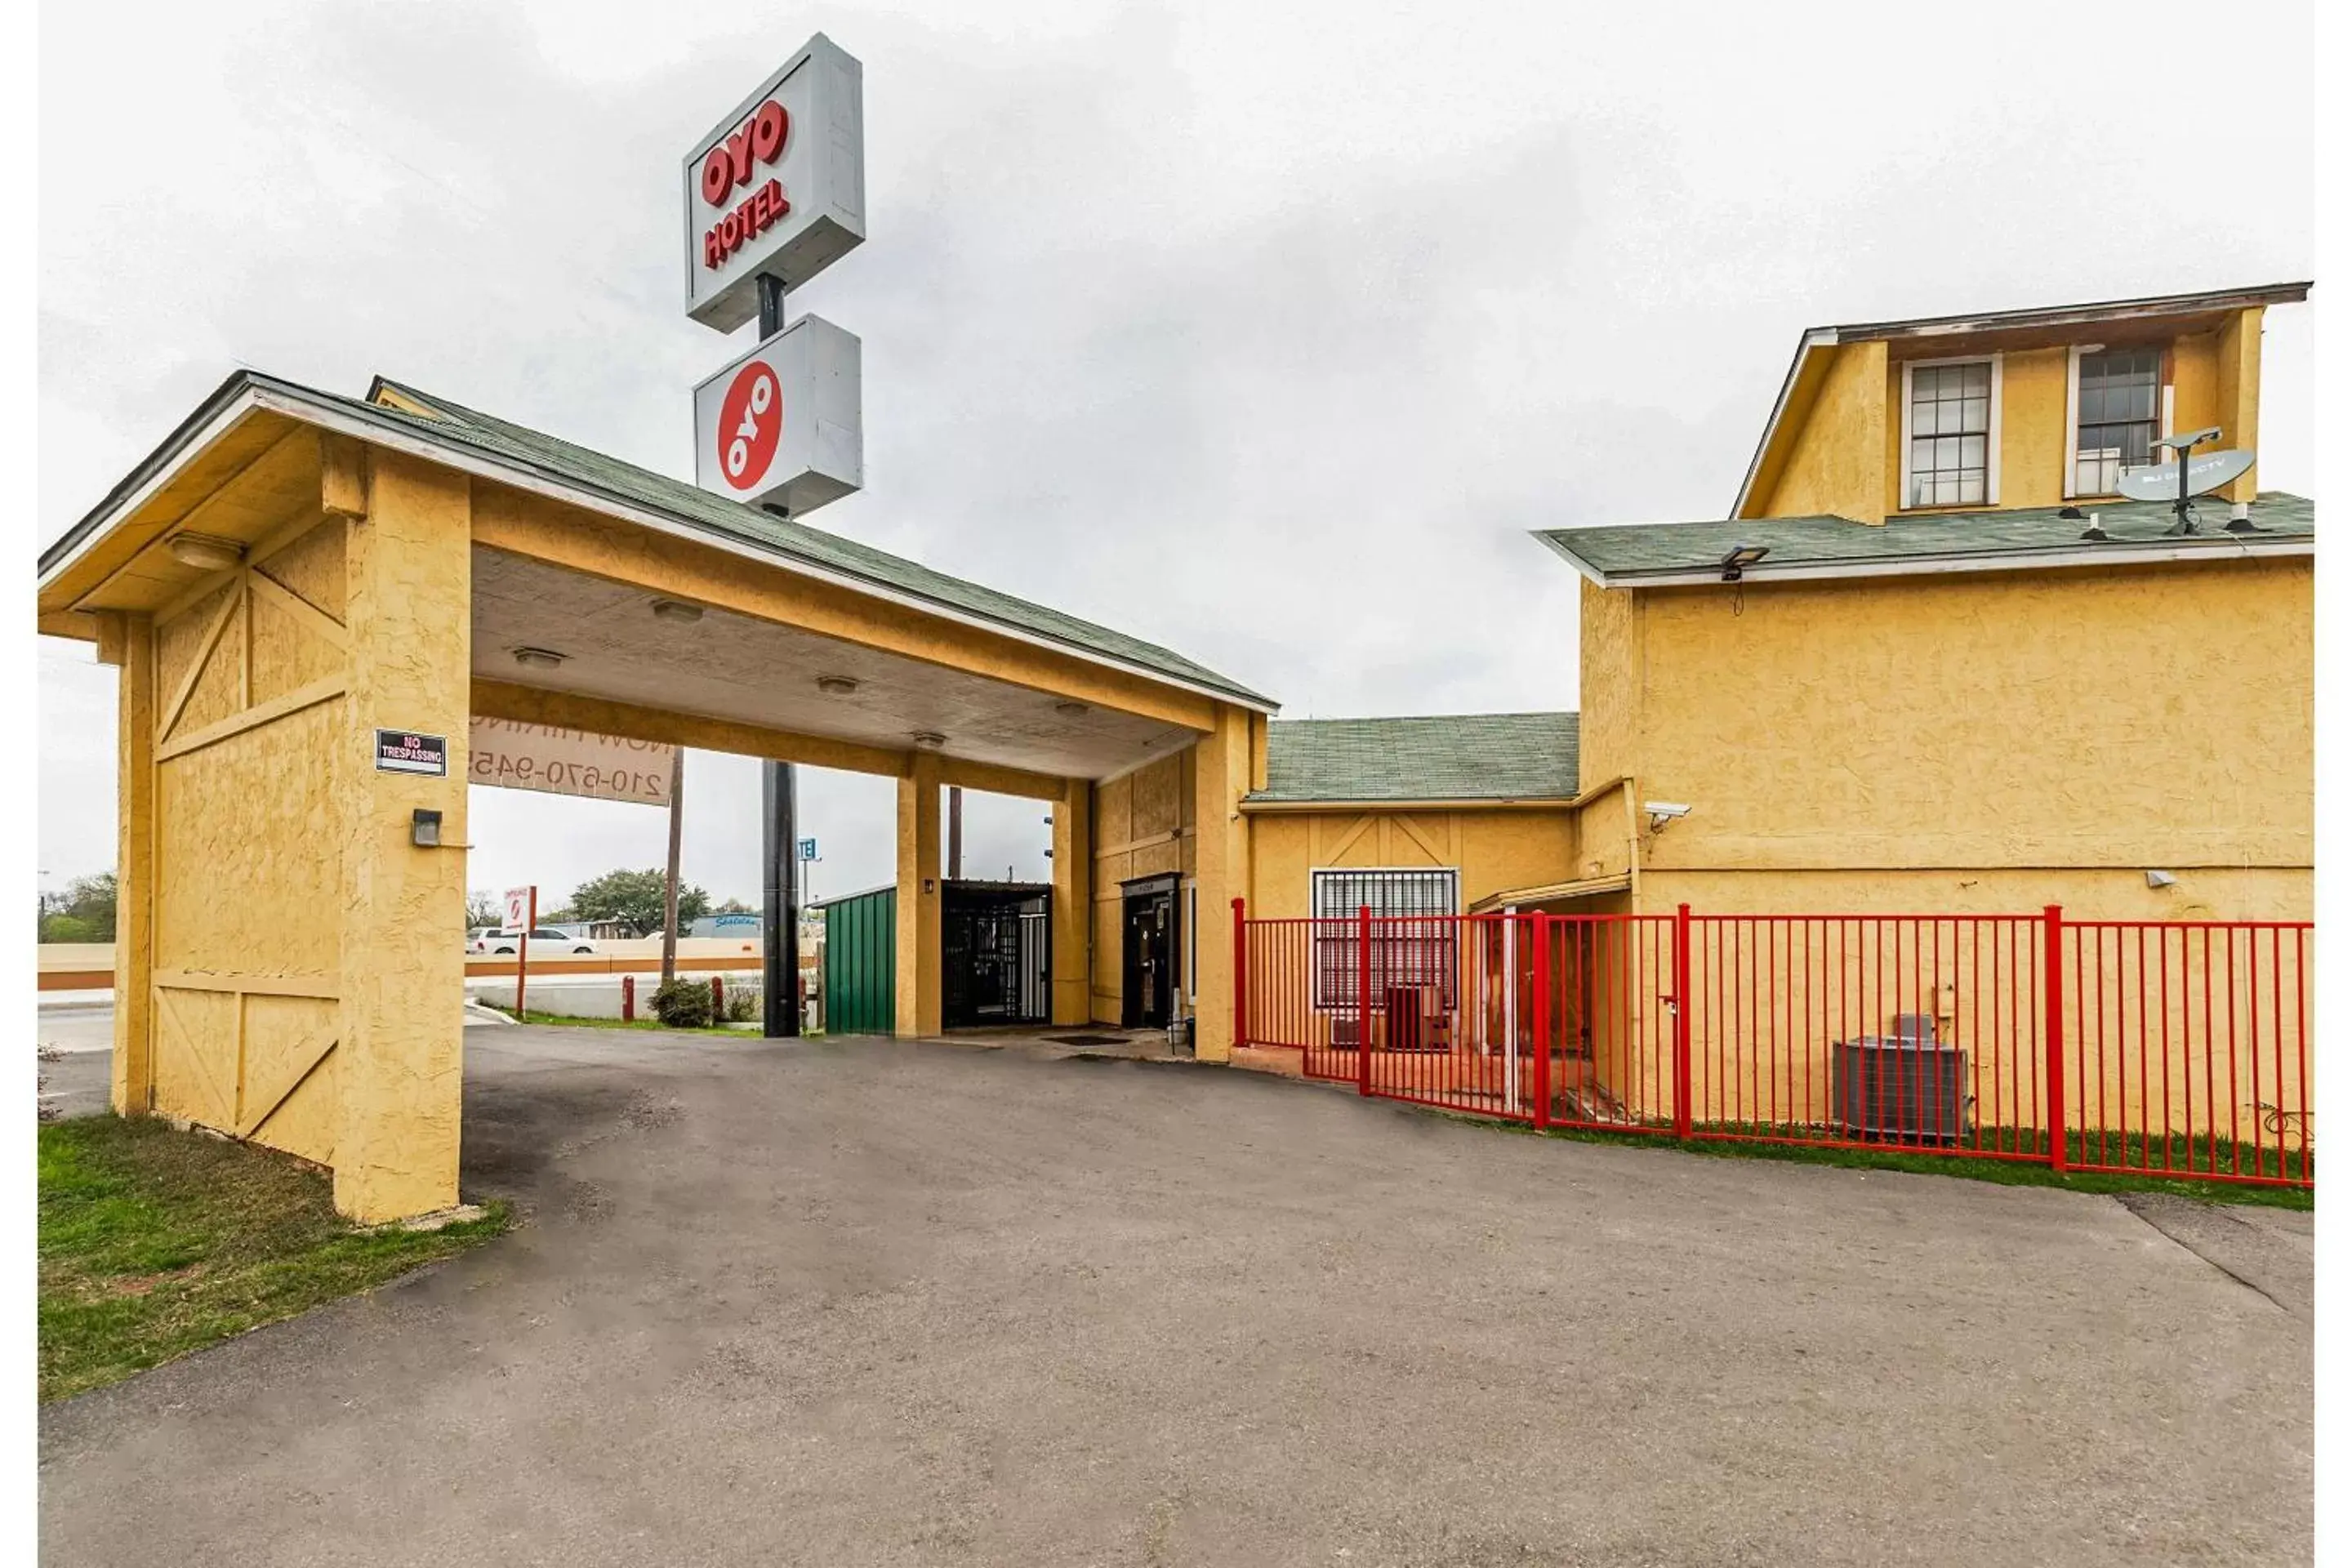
{"x":293,"y":570}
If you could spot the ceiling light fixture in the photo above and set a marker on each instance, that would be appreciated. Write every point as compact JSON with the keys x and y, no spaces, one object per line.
{"x":837,"y":685}
{"x":539,"y":658}
{"x":1070,"y":708}
{"x":930,"y":739}
{"x":676,"y":610}
{"x":204,"y":553}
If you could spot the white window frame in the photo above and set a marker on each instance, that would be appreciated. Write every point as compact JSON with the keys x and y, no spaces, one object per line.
{"x":1992,"y":433}
{"x":2074,"y":416}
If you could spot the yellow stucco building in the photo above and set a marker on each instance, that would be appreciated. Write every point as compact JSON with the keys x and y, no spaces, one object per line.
{"x":1929,"y":663}
{"x":1933,"y":662}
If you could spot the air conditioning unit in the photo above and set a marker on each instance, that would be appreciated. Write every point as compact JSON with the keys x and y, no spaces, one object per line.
{"x":1904,"y":1086}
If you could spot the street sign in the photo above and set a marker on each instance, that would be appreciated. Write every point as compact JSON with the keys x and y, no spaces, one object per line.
{"x":781,"y":426}
{"x":777,"y":187}
{"x":2207,"y":471}
{"x":521,"y":904}
{"x":808,"y":849}
{"x":507,"y":755}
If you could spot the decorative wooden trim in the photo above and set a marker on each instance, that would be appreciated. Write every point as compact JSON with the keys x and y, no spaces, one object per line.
{"x":222,"y":1103}
{"x":276,"y":707}
{"x":250,"y":1125}
{"x":324,"y":987}
{"x":320,"y":624}
{"x":1418,"y":807}
{"x":203,"y":657}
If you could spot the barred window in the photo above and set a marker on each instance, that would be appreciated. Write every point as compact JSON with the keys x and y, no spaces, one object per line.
{"x":1420,"y":952}
{"x":2114,"y":416}
{"x":1949,"y":427}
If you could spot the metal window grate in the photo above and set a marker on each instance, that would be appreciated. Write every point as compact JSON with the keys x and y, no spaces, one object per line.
{"x":1416,"y":954}
{"x":1951,"y":425}
{"x":2115,"y":416}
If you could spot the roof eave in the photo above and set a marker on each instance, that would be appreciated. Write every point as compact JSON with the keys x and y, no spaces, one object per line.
{"x":247,"y":391}
{"x":2150,"y":552}
{"x":225,"y":406}
{"x":1813,"y":338}
{"x":1273,"y":804}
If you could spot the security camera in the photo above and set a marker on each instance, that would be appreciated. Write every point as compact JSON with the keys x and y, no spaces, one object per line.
{"x":1663,"y":811}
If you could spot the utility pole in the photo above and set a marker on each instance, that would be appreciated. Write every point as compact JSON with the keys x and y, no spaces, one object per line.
{"x":670,"y":885}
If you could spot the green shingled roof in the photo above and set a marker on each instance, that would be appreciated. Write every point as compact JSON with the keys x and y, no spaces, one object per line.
{"x":699,"y":508}
{"x":1633,"y":553}
{"x":1454,"y":756}
{"x":514,"y":446}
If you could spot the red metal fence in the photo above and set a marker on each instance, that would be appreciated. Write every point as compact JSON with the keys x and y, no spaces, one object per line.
{"x":2174,"y":1048}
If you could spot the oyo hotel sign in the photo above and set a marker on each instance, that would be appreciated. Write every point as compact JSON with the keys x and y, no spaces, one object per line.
{"x":780,"y":427}
{"x":777,"y":187}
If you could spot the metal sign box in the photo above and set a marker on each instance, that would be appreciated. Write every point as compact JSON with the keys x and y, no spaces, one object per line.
{"x":778,"y":186}
{"x":781,"y":426}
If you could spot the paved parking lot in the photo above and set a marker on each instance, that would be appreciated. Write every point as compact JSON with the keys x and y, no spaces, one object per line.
{"x":866,"y":1303}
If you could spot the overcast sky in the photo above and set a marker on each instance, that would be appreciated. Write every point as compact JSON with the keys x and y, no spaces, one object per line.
{"x":1355,"y":297}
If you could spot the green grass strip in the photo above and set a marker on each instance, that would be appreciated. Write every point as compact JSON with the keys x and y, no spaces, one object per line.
{"x":155,"y":1243}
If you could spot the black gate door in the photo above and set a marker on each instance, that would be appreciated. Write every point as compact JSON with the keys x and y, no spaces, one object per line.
{"x":996,"y":960}
{"x":1148,"y":953}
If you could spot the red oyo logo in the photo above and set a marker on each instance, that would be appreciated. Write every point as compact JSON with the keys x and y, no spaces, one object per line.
{"x":750,"y":423}
{"x":731,"y":165}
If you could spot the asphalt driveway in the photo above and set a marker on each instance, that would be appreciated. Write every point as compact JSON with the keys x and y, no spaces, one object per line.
{"x":864,"y":1302}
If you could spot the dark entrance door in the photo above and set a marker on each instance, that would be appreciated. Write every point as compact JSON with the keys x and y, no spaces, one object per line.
{"x":996,"y":957}
{"x":1148,"y":953}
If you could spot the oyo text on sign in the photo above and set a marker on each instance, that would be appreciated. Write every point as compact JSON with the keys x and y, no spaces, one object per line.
{"x":750,"y":423}
{"x":732,"y":166}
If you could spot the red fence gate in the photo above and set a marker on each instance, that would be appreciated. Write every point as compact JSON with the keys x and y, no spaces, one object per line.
{"x":2172,"y":1047}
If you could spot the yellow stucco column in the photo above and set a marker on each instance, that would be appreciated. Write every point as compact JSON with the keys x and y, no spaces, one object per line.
{"x":1221,"y":776}
{"x":1074,"y":902}
{"x":918,"y":899}
{"x":2238,"y":392}
{"x":133,"y":648}
{"x":399,"y":1061}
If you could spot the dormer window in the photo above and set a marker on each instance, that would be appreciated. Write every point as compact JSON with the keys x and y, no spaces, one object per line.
{"x":1951,"y":432}
{"x":2117,"y":416}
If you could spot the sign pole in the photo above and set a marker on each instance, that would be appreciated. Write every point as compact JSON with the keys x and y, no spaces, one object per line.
{"x":670,"y":887}
{"x":780,"y":943}
{"x":522,"y":950}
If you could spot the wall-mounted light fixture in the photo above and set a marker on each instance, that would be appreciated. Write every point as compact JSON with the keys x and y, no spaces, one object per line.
{"x":204,"y":553}
{"x":539,"y":658}
{"x":425,"y":828}
{"x":837,"y":685}
{"x":676,"y":610}
{"x":2161,"y":879}
{"x":1741,"y":557}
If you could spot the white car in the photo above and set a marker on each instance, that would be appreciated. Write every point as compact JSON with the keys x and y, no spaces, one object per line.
{"x":507,"y":939}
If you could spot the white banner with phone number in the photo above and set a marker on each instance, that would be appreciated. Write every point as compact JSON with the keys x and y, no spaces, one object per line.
{"x":508,"y":755}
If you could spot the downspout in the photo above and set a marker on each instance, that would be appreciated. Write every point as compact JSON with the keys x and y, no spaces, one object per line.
{"x":1633,"y":848}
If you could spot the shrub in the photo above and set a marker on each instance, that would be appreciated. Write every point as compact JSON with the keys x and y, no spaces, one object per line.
{"x":684,"y":1004}
{"x":743,"y":1003}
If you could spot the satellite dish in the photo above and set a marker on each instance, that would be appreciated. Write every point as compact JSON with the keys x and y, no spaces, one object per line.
{"x":2161,"y":481}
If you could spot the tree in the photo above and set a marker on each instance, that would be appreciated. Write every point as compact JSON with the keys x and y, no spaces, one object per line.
{"x":734,"y":906}
{"x":636,"y":898}
{"x":83,"y":912}
{"x":481,"y":909}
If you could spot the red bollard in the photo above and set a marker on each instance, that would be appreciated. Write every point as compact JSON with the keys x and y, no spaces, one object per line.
{"x":628,"y":998}
{"x":718,"y":1000}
